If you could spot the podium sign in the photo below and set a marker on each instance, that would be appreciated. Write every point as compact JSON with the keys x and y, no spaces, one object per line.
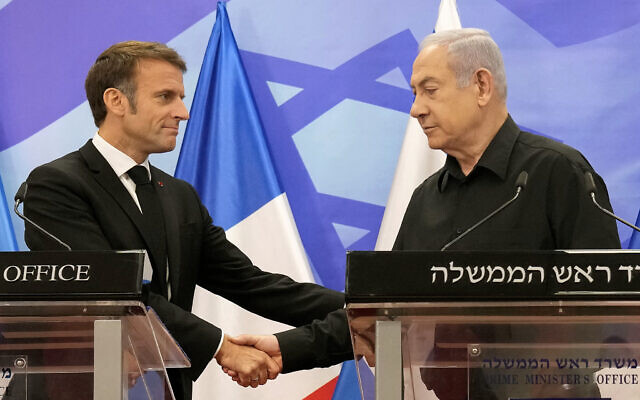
{"x":560,"y":371}
{"x":60,"y":275}
{"x":72,"y":327}
{"x":581,"y":341}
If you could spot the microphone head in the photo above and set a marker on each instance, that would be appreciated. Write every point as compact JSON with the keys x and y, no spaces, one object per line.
{"x":521,"y":181}
{"x":21,"y":193}
{"x":590,"y":184}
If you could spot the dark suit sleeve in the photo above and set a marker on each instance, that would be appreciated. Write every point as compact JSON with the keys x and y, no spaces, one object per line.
{"x":322,"y":338}
{"x":57,"y":201}
{"x":320,"y":344}
{"x":51,"y":203}
{"x":228,"y":272}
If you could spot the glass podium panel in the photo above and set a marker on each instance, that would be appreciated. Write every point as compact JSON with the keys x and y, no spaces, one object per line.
{"x":553,"y":370}
{"x":13,"y":373}
{"x":530,"y":350}
{"x":83,"y":350}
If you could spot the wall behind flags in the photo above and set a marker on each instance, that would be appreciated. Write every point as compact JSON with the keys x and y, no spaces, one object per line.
{"x":330,"y":79}
{"x":332,"y":76}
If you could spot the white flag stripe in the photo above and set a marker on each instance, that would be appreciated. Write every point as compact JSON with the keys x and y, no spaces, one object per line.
{"x":448,"y":17}
{"x":270,"y":238}
{"x":417,"y":161}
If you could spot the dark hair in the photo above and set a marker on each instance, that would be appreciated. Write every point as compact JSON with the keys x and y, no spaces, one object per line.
{"x":115,"y":68}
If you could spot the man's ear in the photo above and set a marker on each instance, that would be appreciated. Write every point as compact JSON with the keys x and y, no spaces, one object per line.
{"x":484,"y":84}
{"x":115,"y":101}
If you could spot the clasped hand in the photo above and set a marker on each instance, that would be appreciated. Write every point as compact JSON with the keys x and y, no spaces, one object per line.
{"x":250,"y":359}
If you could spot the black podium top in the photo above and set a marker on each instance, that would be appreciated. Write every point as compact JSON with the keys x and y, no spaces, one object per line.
{"x":71,"y":275}
{"x":398,"y":276}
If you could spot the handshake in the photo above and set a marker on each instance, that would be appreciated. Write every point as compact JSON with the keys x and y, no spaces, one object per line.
{"x":250,"y":359}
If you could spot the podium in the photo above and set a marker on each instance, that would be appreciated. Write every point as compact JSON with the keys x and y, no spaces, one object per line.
{"x":495,"y":325}
{"x":72,"y":326}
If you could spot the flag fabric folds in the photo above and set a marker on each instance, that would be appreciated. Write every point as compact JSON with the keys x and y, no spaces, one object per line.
{"x":225,"y":156}
{"x":7,"y":235}
{"x":224,"y":149}
{"x":417,"y":161}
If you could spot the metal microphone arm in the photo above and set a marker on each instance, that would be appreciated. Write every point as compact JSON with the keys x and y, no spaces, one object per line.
{"x":591,"y":189}
{"x":609,"y":213}
{"x":518,"y":190}
{"x":19,"y":199}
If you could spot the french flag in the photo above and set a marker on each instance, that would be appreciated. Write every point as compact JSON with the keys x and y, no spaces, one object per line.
{"x":225,"y":156}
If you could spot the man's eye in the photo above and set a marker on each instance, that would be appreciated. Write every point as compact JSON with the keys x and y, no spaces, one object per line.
{"x":430,"y":91}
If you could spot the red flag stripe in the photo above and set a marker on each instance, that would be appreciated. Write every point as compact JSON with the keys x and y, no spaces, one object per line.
{"x":324,"y":392}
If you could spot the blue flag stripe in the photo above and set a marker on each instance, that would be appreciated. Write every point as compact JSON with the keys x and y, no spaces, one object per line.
{"x":224,"y":153}
{"x":7,"y":235}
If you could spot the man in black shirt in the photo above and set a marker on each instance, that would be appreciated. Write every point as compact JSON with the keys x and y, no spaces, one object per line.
{"x":460,"y":101}
{"x":460,"y":87}
{"x":554,"y":212}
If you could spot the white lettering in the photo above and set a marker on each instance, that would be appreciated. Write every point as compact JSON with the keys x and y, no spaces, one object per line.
{"x":54,"y":269}
{"x":47,"y":272}
{"x":61,"y":271}
{"x":42,"y":270}
{"x":28,"y":270}
{"x":83,"y":272}
{"x":6,"y":273}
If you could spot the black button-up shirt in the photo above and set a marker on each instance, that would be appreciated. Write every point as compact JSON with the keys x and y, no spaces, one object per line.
{"x":553,"y":212}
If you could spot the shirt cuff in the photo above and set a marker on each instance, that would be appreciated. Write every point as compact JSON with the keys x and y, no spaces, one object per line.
{"x":219,"y":344}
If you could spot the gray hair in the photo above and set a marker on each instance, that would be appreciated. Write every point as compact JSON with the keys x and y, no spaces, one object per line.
{"x":470,"y":49}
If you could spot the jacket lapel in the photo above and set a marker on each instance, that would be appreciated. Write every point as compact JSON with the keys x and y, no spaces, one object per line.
{"x":171,"y":227}
{"x":106,"y":178}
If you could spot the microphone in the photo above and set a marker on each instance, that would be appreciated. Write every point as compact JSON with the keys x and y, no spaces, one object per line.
{"x":19,"y":198}
{"x":521,"y":183}
{"x":591,"y":191}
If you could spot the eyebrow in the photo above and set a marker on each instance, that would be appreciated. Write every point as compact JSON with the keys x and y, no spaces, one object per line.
{"x":425,"y":80}
{"x":172,"y":91}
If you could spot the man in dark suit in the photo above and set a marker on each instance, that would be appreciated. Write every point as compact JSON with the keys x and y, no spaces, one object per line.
{"x":97,"y":198}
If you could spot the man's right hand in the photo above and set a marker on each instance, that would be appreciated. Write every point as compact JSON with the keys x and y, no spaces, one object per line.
{"x":253,"y":367}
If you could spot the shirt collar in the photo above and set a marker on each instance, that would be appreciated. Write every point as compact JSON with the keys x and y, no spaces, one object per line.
{"x":495,"y":157}
{"x":119,"y":161}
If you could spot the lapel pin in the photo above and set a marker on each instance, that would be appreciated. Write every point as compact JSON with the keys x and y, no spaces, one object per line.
{"x":160,"y":184}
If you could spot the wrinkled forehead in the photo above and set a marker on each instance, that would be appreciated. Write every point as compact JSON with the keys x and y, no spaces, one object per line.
{"x":431,"y":63}
{"x":433,"y":55}
{"x":150,"y":71}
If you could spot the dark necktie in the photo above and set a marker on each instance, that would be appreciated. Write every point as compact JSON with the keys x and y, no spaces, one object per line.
{"x":153,"y":222}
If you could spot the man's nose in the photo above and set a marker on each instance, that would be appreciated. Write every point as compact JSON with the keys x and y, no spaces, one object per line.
{"x":181,"y":112}
{"x":417,"y":109}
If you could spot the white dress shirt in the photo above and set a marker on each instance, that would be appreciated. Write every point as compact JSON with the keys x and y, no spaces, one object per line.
{"x":121,"y":163}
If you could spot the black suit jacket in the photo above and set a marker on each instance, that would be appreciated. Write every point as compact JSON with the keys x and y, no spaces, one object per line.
{"x":80,"y":199}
